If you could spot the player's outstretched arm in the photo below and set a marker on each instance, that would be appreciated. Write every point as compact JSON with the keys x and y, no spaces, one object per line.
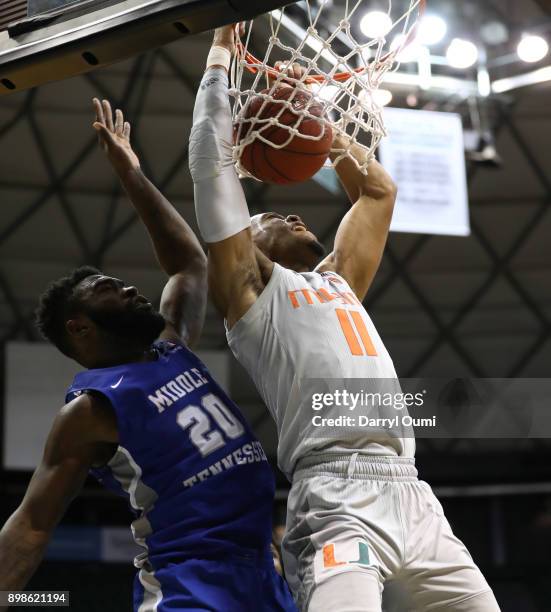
{"x":238,"y":272}
{"x":79,"y":437}
{"x":178,"y":251}
{"x":363,"y":232}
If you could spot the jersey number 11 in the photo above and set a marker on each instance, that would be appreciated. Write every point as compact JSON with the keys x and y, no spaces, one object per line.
{"x":353,"y":326}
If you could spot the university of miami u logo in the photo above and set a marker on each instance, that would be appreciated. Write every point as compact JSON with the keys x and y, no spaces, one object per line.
{"x":330,"y":561}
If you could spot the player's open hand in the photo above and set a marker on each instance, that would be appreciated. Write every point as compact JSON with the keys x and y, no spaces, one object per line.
{"x":114,"y":136}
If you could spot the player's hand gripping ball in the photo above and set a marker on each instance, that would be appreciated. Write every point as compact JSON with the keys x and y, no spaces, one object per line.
{"x":300,"y":157}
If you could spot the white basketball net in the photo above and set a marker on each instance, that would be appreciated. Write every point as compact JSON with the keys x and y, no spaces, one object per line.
{"x":341,"y":71}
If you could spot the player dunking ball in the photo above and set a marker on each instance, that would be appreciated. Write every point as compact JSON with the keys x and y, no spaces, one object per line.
{"x":151,"y":422}
{"x":357,"y":513}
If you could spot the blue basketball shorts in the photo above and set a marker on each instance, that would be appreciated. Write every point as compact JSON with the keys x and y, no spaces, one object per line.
{"x":236,"y":583}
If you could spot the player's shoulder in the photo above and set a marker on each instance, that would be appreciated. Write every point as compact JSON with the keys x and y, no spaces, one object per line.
{"x":83,"y":403}
{"x":89,"y":413}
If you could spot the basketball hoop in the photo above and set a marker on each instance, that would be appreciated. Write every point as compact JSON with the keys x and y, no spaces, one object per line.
{"x":342,"y":70}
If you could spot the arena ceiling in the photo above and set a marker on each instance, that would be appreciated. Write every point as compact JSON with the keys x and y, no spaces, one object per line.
{"x":477,"y":306}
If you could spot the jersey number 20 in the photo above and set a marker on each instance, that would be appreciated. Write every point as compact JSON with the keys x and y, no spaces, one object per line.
{"x":197,"y":420}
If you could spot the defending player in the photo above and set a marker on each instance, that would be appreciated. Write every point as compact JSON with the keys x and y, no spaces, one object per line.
{"x":357,"y":514}
{"x":154,"y":426}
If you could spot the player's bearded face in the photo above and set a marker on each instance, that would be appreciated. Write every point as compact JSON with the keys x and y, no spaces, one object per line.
{"x":134,"y":322}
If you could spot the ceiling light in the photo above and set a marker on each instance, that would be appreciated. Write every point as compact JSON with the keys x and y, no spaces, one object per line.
{"x":532,"y":48}
{"x":373,"y":100}
{"x":328,"y":93}
{"x":432,"y":30}
{"x":376,"y":24}
{"x":407,"y":52}
{"x":462,"y":54}
{"x":382,"y":97}
{"x":484,"y":82}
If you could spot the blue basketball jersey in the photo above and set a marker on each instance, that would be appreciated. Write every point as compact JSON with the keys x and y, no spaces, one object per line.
{"x":197,"y":479}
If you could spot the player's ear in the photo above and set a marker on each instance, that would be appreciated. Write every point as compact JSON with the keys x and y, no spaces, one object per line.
{"x":78,"y":327}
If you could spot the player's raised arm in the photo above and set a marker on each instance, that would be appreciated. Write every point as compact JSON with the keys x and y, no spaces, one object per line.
{"x":177,"y":249}
{"x":80,"y":433}
{"x":237,"y":270}
{"x":363,"y":232}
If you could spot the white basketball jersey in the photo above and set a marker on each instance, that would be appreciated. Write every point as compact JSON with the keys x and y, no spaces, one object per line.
{"x":308,"y":334}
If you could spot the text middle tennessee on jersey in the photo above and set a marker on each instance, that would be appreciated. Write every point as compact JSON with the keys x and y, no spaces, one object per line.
{"x":321,"y":368}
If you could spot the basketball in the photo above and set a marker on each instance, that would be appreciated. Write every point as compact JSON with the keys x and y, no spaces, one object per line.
{"x":301,"y":157}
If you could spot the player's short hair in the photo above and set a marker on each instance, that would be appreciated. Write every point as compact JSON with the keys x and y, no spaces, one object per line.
{"x":57,"y":304}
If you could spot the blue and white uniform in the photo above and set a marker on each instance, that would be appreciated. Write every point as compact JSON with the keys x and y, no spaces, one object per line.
{"x":199,"y":484}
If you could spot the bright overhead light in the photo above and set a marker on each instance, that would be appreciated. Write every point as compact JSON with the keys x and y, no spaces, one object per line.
{"x":406,"y":52}
{"x":484,"y":82}
{"x":375,"y":99}
{"x":328,"y":93}
{"x":432,"y":30}
{"x":542,"y":75}
{"x":382,"y":97}
{"x":376,"y":24}
{"x":532,"y":48}
{"x":462,"y":54}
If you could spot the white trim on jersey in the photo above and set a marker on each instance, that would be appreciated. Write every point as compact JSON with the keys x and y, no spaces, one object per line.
{"x":152,"y":595}
{"x":142,"y":498}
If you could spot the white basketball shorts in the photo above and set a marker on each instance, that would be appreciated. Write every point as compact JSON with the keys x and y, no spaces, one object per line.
{"x":354,"y":522}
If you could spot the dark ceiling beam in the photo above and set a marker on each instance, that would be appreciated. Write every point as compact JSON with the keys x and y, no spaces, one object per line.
{"x":545,"y":6}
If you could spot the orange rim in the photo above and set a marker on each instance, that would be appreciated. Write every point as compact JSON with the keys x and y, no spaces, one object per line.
{"x":254,"y":65}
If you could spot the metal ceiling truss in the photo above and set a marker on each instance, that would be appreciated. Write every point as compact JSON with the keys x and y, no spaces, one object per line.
{"x":132,"y":99}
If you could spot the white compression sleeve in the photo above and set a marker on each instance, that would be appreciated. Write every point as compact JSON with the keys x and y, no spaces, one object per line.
{"x":220,"y":203}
